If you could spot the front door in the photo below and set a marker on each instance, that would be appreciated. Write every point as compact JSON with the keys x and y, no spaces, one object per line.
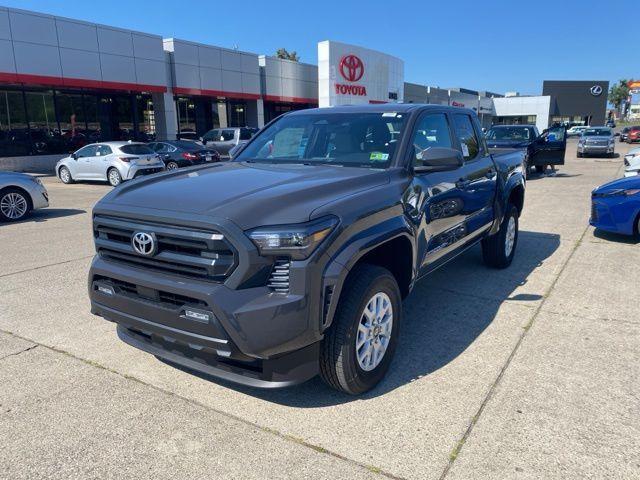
{"x":549,"y":148}
{"x":83,"y":162}
{"x":433,"y":201}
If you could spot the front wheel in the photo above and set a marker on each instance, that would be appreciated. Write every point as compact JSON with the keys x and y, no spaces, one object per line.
{"x":498,"y":249}
{"x":114,"y":177}
{"x":540,"y":169}
{"x":65,"y":176}
{"x":15,"y":204}
{"x":359,"y":346}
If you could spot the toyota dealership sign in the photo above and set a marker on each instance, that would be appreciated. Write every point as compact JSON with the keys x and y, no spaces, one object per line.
{"x":348,"y":74}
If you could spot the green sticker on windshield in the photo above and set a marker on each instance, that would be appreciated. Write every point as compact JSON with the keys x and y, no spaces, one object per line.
{"x":378,"y":156}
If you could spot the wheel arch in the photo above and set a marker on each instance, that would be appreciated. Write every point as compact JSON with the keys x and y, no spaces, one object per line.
{"x":22,"y":190}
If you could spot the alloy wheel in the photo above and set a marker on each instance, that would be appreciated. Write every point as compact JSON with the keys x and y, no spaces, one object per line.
{"x":14,"y":206}
{"x":374,"y":331}
{"x":510,"y":237}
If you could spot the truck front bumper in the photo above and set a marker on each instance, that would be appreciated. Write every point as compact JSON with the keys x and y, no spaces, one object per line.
{"x":250,"y":336}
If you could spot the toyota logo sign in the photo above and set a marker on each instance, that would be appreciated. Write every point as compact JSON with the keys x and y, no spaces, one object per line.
{"x":351,"y":68}
{"x":596,"y":90}
{"x":144,"y":243}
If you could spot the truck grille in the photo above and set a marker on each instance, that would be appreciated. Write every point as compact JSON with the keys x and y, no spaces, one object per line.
{"x":279,"y":279}
{"x":188,"y":252}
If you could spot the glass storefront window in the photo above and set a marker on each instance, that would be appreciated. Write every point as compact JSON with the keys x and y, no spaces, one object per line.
{"x":14,"y":133}
{"x":186,"y":115}
{"x":73,"y":128}
{"x":146,"y":118}
{"x":237,"y":114}
{"x":43,"y":126}
{"x":122,"y":116}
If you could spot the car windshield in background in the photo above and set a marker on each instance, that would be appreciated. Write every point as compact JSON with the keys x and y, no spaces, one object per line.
{"x":597,"y":132}
{"x":136,"y":150}
{"x":345,"y":139}
{"x":519,"y":134}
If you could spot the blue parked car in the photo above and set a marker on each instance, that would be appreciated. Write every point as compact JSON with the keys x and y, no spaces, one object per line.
{"x":615,"y":206}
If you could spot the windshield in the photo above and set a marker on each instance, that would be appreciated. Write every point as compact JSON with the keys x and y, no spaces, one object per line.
{"x":519,"y":134}
{"x":597,"y":132}
{"x":345,"y":139}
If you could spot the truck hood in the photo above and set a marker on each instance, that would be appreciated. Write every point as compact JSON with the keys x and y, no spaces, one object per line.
{"x":619,"y":184}
{"x":250,"y":195}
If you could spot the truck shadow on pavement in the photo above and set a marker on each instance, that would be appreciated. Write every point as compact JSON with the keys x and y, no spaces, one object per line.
{"x":616,"y":237}
{"x":443,"y":316}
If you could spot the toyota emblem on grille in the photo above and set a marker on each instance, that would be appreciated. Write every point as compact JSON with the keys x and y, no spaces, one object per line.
{"x":144,"y":243}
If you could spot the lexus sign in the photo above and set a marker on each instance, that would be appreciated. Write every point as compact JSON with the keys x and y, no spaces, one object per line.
{"x":596,"y":90}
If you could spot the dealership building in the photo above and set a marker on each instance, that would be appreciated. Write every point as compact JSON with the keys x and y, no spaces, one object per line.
{"x":65,"y":83}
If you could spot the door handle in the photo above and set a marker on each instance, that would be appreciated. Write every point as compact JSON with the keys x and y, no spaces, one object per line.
{"x":462,"y":184}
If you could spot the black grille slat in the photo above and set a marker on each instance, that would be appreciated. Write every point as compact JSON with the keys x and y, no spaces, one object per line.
{"x":193,"y":253}
{"x":279,"y":279}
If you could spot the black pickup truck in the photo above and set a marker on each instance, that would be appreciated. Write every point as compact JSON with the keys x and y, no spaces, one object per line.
{"x":546,"y":148}
{"x":292,"y":259}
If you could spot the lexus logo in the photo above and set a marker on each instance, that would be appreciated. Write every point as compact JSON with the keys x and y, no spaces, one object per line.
{"x":351,"y":68}
{"x":144,"y":243}
{"x":596,"y":90}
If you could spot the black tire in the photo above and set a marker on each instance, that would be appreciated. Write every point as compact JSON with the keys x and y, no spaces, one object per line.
{"x":18,"y":198}
{"x":113,"y":177}
{"x":579,"y":155}
{"x":172,"y":166}
{"x":65,"y":175}
{"x":339,"y":367}
{"x":540,"y":168}
{"x":494,"y":251}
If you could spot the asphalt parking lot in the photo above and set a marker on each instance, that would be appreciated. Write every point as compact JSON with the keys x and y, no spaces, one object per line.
{"x":529,"y":372}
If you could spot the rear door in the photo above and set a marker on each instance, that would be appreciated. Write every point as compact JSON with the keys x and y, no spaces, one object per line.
{"x":477,"y":179}
{"x":549,"y":148}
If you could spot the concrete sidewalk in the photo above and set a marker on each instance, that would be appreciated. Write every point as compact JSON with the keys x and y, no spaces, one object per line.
{"x":529,"y":372}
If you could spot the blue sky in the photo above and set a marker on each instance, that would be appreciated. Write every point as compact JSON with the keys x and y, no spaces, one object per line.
{"x":491,"y":45}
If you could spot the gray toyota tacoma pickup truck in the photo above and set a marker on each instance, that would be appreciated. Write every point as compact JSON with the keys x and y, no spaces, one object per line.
{"x":292,"y":259}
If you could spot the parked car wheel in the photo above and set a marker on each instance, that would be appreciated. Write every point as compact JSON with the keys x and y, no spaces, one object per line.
{"x":65,"y":175}
{"x":359,"y":346}
{"x":114,"y":177}
{"x":540,"y":168}
{"x":15,"y":204}
{"x":172,"y":166}
{"x":498,"y":249}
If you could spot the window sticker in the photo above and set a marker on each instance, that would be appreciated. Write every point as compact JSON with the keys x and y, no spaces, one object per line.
{"x":389,"y":114}
{"x":465,"y":150}
{"x":378,"y":156}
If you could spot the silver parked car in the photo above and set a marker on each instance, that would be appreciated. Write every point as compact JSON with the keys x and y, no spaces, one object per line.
{"x":114,"y":162}
{"x":20,"y":194}
{"x":224,"y":139}
{"x":597,"y":141}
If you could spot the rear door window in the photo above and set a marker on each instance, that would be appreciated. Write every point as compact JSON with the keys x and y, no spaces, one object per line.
{"x":466,"y":135}
{"x":102,"y":150}
{"x":227,"y":135}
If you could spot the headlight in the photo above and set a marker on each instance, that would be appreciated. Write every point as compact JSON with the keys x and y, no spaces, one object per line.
{"x":36,"y":180}
{"x":621,"y":192}
{"x":296,"y":241}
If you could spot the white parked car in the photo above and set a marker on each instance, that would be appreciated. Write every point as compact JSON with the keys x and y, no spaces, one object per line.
{"x":114,"y":162}
{"x":632,"y":163}
{"x":20,"y":194}
{"x":576,"y":131}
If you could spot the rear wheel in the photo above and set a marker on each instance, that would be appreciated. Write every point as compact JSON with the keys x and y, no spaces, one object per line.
{"x":359,"y":346}
{"x":65,"y":175}
{"x":540,"y":168}
{"x":15,"y":204}
{"x":114,"y":177}
{"x":172,"y":166}
{"x":579,"y":155}
{"x":498,"y":249}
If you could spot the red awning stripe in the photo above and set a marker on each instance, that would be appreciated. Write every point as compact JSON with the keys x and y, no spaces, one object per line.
{"x":50,"y":81}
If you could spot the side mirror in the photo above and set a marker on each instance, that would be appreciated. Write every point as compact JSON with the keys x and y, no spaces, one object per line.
{"x":74,"y":156}
{"x":439,"y":159}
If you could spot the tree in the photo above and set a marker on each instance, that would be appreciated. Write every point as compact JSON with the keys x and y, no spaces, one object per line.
{"x":619,"y":93}
{"x":284,"y":53}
